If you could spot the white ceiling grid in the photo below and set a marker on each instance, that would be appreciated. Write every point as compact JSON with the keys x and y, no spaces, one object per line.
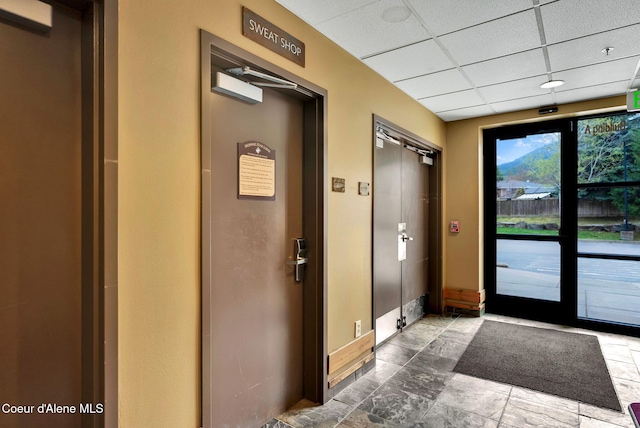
{"x":469,"y":58}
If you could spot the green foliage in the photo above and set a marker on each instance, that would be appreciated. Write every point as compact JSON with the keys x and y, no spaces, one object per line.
{"x":514,"y":231}
{"x":583,"y":234}
{"x":633,"y":199}
{"x":546,"y":170}
{"x":607,"y":155}
{"x":499,"y":176}
{"x":601,"y":156}
{"x":522,"y":168}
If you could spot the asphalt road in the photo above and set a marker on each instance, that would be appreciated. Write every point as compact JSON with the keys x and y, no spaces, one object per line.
{"x":544,"y":257}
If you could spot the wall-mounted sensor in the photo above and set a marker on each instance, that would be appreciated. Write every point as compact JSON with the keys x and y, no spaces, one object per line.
{"x":454,"y":226}
{"x":547,"y":110}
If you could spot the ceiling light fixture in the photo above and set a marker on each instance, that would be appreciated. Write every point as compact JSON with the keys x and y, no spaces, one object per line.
{"x":552,"y":84}
{"x":396,"y":14}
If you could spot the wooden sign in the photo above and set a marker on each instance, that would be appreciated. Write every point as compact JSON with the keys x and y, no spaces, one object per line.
{"x":256,"y":171}
{"x":273,"y":38}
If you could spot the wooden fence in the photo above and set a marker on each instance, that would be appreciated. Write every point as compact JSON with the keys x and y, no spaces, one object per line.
{"x":549,"y":208}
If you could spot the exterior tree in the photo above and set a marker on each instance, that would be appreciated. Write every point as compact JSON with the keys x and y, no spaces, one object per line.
{"x":606,"y":155}
{"x":547,"y":170}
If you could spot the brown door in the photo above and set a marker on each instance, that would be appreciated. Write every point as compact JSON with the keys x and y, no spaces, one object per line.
{"x":256,"y":312}
{"x":40,"y":221}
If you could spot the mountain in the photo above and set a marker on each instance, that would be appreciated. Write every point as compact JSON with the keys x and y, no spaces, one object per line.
{"x":521,"y":167}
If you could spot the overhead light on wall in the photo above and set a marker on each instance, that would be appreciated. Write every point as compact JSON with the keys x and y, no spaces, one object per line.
{"x":552,"y":84}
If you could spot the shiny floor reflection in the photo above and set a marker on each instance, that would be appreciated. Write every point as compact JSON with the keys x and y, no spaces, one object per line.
{"x":413,"y":385}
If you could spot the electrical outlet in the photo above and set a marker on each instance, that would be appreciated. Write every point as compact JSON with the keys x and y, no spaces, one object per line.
{"x":358,"y":328}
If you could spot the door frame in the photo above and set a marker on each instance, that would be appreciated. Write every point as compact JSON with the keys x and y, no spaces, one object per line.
{"x":214,"y":49}
{"x":551,"y":311}
{"x":435,"y":214}
{"x":99,"y":206}
{"x":565,"y":311}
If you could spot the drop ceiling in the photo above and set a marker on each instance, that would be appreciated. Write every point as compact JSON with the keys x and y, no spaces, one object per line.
{"x":468,"y":58}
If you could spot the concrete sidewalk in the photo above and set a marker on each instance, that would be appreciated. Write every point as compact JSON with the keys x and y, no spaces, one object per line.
{"x":598,"y":299}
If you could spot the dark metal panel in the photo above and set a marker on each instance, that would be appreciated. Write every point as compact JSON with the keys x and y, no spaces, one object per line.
{"x":387,"y":213}
{"x":415,"y":213}
{"x":435,"y":234}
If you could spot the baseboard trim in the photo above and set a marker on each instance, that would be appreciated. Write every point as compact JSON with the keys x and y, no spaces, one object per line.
{"x":348,"y":372}
{"x":343,"y":356}
{"x":470,"y":302}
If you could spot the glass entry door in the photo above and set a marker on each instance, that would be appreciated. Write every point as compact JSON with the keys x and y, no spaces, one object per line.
{"x":562,"y":220}
{"x":526,"y":222}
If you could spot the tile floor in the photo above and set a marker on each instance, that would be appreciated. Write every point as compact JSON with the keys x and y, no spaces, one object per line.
{"x":413,"y":385}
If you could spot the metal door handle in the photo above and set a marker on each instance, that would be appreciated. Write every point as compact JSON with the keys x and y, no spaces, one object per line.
{"x":406,"y":238}
{"x":300,"y":261}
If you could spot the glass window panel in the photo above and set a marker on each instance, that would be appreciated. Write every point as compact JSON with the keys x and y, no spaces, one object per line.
{"x":608,"y":220}
{"x":528,"y":185}
{"x":528,"y":269}
{"x":609,"y":149}
{"x":609,"y":290}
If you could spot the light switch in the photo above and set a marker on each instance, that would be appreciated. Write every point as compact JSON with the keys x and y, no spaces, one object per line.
{"x":363,"y":188}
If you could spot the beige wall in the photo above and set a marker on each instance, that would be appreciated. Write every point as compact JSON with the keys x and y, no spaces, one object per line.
{"x":464,"y":182}
{"x":159,"y":190}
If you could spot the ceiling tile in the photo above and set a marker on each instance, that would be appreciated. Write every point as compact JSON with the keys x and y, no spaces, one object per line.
{"x":591,"y":75}
{"x":569,"y":19}
{"x":508,"y":35}
{"x":363,"y":32}
{"x":517,"y":89}
{"x":588,"y":50}
{"x":434,"y":84}
{"x":493,"y":46}
{"x":592,"y":92}
{"x":315,"y":12}
{"x":511,"y":67}
{"x":445,"y":16}
{"x":465,"y":113}
{"x":456,"y":100}
{"x":523,"y":103}
{"x":414,"y":60}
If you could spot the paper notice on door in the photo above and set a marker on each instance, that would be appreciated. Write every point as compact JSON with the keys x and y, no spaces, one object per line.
{"x":256,"y":171}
